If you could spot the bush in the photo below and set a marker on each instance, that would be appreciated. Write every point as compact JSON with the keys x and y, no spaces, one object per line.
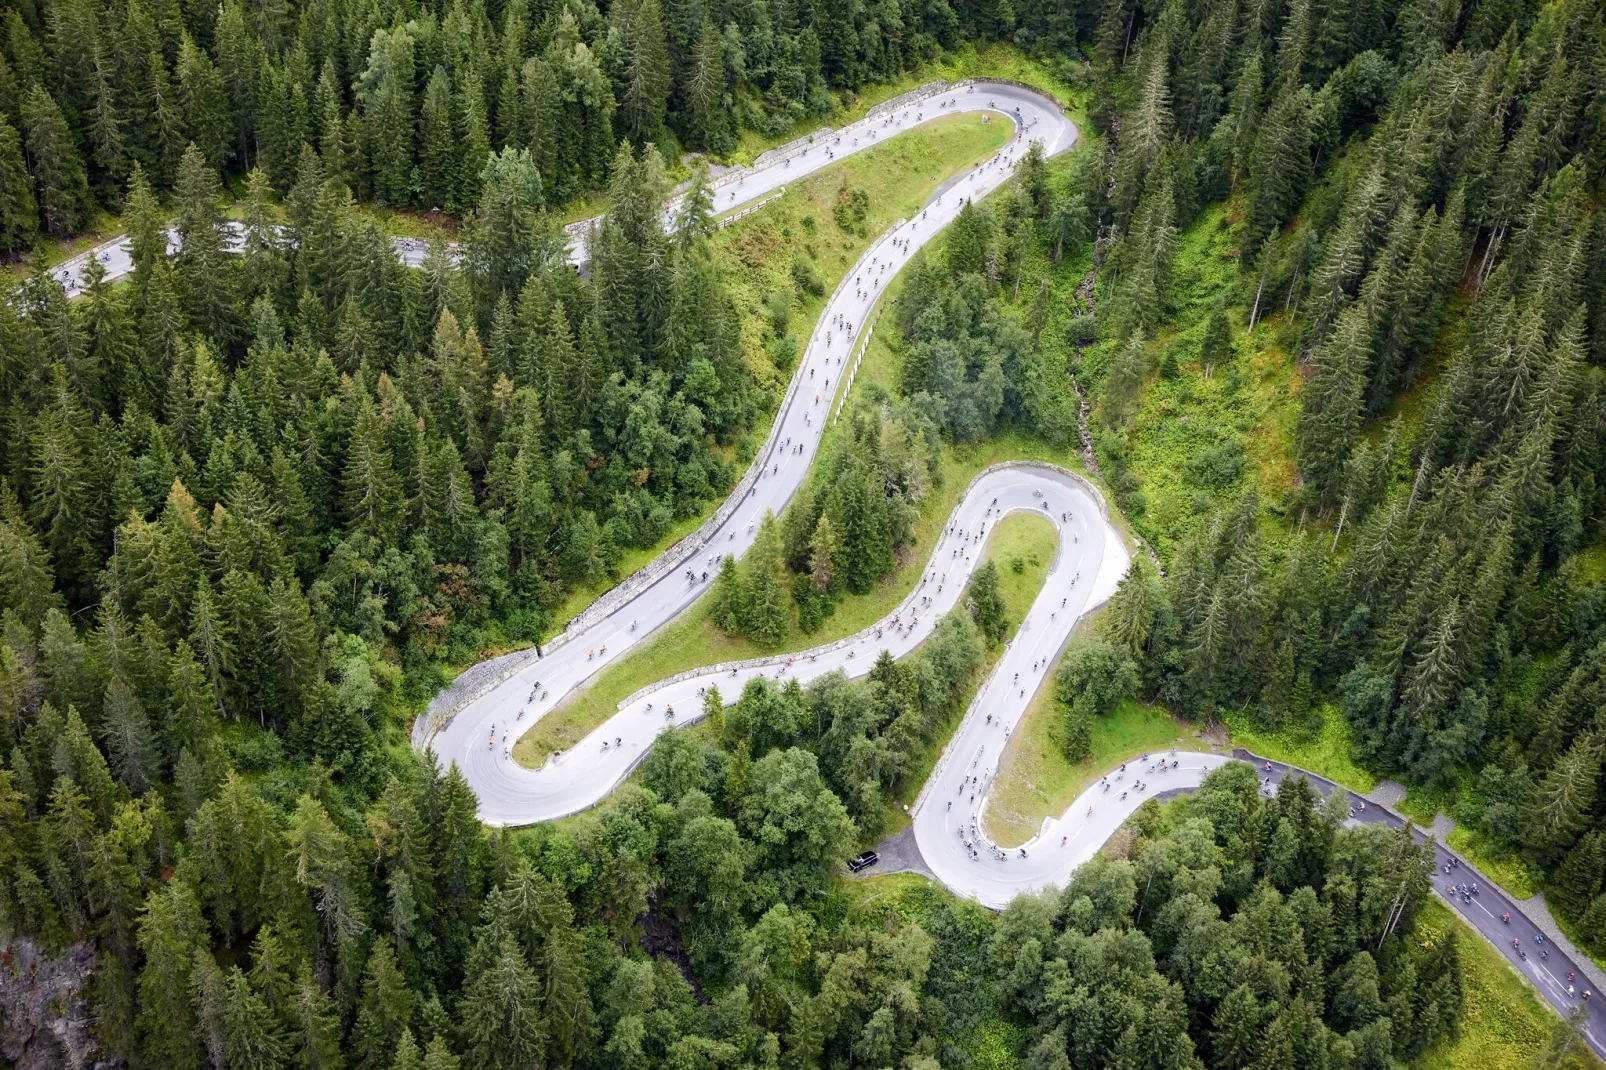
{"x":778,"y":307}
{"x":1216,"y":466}
{"x":850,"y":208}
{"x":784,"y":352}
{"x":807,"y":277}
{"x":1082,"y":331}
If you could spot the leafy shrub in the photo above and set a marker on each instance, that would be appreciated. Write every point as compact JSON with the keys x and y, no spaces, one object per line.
{"x":1216,"y":466}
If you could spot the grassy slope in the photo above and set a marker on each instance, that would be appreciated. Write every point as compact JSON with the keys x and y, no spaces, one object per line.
{"x":1323,"y":747}
{"x":1254,"y":404}
{"x":1025,"y":537}
{"x":1037,"y":780}
{"x":1251,"y":404}
{"x":758,"y":252}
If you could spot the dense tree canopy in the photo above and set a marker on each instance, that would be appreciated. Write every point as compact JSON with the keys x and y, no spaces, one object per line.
{"x":1414,"y":201}
{"x":406,"y":102}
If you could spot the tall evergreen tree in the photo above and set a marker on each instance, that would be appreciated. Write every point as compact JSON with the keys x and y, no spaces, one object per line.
{"x":58,"y":172}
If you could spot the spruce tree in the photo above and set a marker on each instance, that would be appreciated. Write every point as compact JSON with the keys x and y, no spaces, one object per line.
{"x":646,"y":78}
{"x":986,"y":603}
{"x":58,"y":171}
{"x":1280,"y":167}
{"x":129,"y":741}
{"x":203,"y":262}
{"x":171,"y":929}
{"x":383,"y":1014}
{"x":1578,"y":880}
{"x":704,"y":90}
{"x":437,"y":148}
{"x":729,"y":600}
{"x":438,"y":1056}
{"x":500,"y":1011}
{"x":1560,"y":808}
{"x":252,"y":1036}
{"x":570,"y":1019}
{"x":19,"y":214}
{"x":1330,"y":405}
{"x":408,"y":1056}
{"x":1216,"y":348}
{"x":864,"y":528}
{"x":473,"y":140}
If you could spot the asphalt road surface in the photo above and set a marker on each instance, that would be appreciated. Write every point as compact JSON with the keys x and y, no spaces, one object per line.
{"x":1035,"y":117}
{"x":1546,"y":967}
{"x":480,"y":735}
{"x":1088,"y":564}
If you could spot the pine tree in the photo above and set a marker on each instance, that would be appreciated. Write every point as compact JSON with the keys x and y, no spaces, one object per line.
{"x":252,"y":1037}
{"x":1144,"y":133}
{"x":58,"y":172}
{"x":170,"y":931}
{"x":105,"y":120}
{"x":500,"y":1011}
{"x":19,"y":215}
{"x":437,"y":148}
{"x":765,"y":618}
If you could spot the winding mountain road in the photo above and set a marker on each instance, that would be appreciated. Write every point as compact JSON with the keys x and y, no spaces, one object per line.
{"x":1033,"y":113}
{"x":478,"y":736}
{"x":947,"y":820}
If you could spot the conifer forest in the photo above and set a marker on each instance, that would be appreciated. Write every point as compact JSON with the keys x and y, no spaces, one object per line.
{"x":262,"y":497}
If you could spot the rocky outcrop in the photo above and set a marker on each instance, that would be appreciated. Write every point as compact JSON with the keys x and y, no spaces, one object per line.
{"x":45,"y":1022}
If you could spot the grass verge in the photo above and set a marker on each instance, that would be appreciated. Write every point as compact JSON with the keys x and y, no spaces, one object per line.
{"x":1497,"y":861}
{"x":1035,"y":778}
{"x":1031,"y":540}
{"x":1323,"y":747}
